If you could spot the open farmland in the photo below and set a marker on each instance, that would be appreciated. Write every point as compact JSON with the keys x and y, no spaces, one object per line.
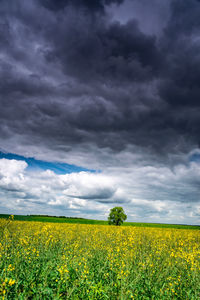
{"x":54,"y":219}
{"x":79,"y":261}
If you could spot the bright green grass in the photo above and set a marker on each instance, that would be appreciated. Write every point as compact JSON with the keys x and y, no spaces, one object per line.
{"x":38,"y":218}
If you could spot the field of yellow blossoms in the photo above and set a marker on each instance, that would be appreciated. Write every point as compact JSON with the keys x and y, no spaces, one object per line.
{"x":74,"y":261}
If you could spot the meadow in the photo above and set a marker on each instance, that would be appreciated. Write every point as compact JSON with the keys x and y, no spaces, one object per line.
{"x":72,"y":220}
{"x":44,"y":260}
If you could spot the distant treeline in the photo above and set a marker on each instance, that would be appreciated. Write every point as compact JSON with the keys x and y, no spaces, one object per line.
{"x":47,"y":216}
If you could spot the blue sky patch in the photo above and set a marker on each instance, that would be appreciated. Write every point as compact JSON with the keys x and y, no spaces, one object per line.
{"x":35,"y":164}
{"x":195,"y":157}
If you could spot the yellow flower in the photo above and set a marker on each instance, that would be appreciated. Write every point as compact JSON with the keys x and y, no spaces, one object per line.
{"x":11,"y":282}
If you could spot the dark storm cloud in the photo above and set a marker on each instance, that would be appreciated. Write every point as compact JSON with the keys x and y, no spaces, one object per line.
{"x":70,"y":76}
{"x":93,"y":5}
{"x":93,"y":50}
{"x":180,"y":85}
{"x":181,"y":44}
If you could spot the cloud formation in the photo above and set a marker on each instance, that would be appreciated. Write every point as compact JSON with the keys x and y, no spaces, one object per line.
{"x":104,"y":85}
{"x":148,"y":193}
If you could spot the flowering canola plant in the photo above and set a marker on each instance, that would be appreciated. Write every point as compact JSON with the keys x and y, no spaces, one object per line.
{"x":74,"y":261}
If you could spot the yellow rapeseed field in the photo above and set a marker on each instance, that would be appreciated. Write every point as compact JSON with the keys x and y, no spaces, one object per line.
{"x":73,"y":261}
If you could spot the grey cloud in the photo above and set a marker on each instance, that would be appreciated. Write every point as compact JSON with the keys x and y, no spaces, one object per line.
{"x":145,"y":192}
{"x":107,"y":52}
{"x":100,"y":195}
{"x":91,"y":5}
{"x":114,"y":69}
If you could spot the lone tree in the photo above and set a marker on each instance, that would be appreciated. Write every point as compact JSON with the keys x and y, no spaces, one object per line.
{"x":116,"y":216}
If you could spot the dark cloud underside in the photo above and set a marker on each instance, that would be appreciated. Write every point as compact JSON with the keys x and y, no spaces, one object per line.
{"x":93,"y":5}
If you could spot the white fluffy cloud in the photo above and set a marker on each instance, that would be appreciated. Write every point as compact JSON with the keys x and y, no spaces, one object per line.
{"x":12,"y":175}
{"x":156,"y":194}
{"x":11,"y":167}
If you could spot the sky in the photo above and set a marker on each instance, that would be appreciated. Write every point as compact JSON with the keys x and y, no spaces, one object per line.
{"x":99,"y":107}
